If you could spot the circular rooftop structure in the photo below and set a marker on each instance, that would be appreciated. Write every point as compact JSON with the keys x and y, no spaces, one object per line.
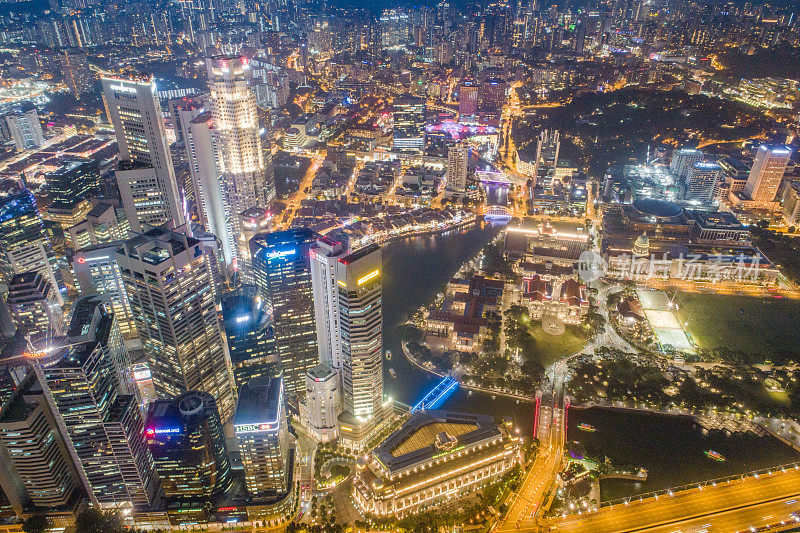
{"x":661,"y":209}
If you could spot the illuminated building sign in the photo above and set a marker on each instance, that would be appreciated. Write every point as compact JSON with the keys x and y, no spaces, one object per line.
{"x":256,"y":428}
{"x":123,"y":88}
{"x":372,"y":275}
{"x":162,"y":431}
{"x":281,"y":253}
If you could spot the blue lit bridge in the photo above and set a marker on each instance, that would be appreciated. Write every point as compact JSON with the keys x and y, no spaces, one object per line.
{"x":437,"y":395}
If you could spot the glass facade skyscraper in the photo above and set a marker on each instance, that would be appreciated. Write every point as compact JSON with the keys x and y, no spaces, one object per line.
{"x":281,"y":268}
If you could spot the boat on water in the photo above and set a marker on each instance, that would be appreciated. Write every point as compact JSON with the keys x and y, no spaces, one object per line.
{"x":388,"y":355}
{"x":714,"y":455}
{"x":583,"y":426}
{"x":392,"y":373}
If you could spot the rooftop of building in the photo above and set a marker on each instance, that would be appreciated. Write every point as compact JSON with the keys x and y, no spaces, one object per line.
{"x":321,"y":372}
{"x":259,"y":402}
{"x":418,"y":439}
{"x":715,"y":220}
{"x":358,"y":254}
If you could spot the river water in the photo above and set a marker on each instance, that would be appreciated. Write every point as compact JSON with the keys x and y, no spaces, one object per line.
{"x":416,"y":269}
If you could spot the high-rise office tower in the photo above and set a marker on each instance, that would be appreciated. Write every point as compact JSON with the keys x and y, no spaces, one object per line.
{"x":251,"y":339}
{"x":254,"y":221}
{"x":547,"y":149}
{"x":282,"y":270}
{"x":87,"y":384}
{"x":186,"y":438}
{"x":702,"y":182}
{"x":360,"y":325}
{"x":767,"y":172}
{"x":70,"y":188}
{"x":244,"y":176}
{"x":457,"y":159}
{"x":103,"y":223}
{"x":76,"y":73}
{"x":682,"y":161}
{"x":261,"y":435}
{"x":395,"y":25}
{"x":76,"y":181}
{"x":145,"y":175}
{"x":325,"y":255}
{"x":168,"y":282}
{"x":206,"y":180}
{"x":468,"y":98}
{"x":24,"y":245}
{"x":409,"y":124}
{"x":34,"y":307}
{"x":41,"y":472}
{"x":97,"y":272}
{"x":322,"y":405}
{"x":22,"y":127}
{"x":492,"y":94}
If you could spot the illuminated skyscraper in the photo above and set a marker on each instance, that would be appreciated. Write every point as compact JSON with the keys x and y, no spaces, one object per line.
{"x":40,"y":463}
{"x":87,"y":383}
{"x":682,"y":161}
{"x":97,"y":272}
{"x":168,"y":281}
{"x":251,"y":339}
{"x":145,"y":175}
{"x":261,"y":435}
{"x":325,"y":255}
{"x":282,"y":270}
{"x":467,"y":99}
{"x":359,"y":281}
{"x":23,"y":128}
{"x":767,"y":173}
{"x":409,"y":124}
{"x":246,"y":177}
{"x":187,"y":441}
{"x":24,"y":246}
{"x":457,"y":160}
{"x":547,"y":149}
{"x":75,"y":70}
{"x":32,"y":302}
{"x":702,"y":182}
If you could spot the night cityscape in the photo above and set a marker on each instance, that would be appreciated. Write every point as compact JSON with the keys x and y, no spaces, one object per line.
{"x":441,"y":266}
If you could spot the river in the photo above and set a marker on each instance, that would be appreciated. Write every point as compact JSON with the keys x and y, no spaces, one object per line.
{"x":416,"y":269}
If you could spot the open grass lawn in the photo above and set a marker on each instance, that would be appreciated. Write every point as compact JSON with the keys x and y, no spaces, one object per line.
{"x":551,"y":348}
{"x":766,"y":328}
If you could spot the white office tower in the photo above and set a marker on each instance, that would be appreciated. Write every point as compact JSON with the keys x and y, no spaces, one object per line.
{"x":34,"y":307}
{"x":245,"y":178}
{"x":322,"y":404}
{"x":457,"y":158}
{"x":168,"y":281}
{"x":547,"y":148}
{"x":23,"y":128}
{"x":767,"y":173}
{"x":97,"y":272}
{"x":87,"y":383}
{"x":682,"y":161}
{"x":262,"y":438}
{"x":325,"y":255}
{"x":360,"y":323}
{"x":145,"y":175}
{"x":702,"y":182}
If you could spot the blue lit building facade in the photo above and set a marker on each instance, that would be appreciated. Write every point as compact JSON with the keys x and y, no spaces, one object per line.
{"x":282,"y":270}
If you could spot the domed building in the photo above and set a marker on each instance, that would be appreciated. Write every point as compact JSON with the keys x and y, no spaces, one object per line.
{"x":642,"y":245}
